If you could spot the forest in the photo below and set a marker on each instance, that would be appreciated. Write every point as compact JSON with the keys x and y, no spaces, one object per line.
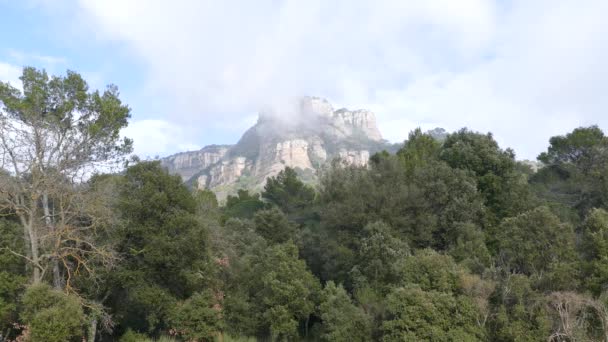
{"x":445,"y":240}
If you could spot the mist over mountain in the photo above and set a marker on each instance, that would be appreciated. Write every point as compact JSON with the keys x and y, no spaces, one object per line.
{"x":304,"y":134}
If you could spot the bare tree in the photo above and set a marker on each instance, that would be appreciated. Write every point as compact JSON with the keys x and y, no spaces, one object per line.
{"x":55,"y":134}
{"x":578,"y":315}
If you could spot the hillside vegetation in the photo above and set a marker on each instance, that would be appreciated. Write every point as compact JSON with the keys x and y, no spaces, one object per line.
{"x":448,"y":239}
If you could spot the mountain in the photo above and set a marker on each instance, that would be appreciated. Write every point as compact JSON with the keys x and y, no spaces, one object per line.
{"x":305,"y":135}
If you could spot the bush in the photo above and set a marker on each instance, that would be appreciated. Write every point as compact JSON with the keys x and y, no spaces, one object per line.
{"x":197,"y":318}
{"x":52,"y":316}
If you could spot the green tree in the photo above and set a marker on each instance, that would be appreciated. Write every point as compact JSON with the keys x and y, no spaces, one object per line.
{"x":12,"y":273}
{"x":275,"y":293}
{"x":538,"y":243}
{"x":497,"y":175}
{"x":519,"y":312}
{"x":469,"y":247}
{"x":243,"y":205}
{"x":575,"y":170}
{"x":342,"y":320}
{"x":379,"y":254}
{"x":291,"y":195}
{"x":422,"y":206}
{"x":579,"y":147}
{"x":273,"y":226}
{"x":594,"y":250}
{"x":52,"y":315}
{"x":419,"y":149}
{"x":158,"y":228}
{"x":288,"y":290}
{"x":197,"y":318}
{"x":431,"y":271}
{"x":418,"y":315}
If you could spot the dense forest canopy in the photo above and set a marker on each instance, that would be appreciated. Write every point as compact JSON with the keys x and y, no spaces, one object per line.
{"x":449,"y":239}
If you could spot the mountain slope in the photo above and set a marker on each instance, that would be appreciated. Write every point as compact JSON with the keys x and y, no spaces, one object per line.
{"x":304,"y":137}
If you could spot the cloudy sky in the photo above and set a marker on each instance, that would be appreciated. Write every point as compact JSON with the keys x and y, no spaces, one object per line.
{"x":195,"y":72}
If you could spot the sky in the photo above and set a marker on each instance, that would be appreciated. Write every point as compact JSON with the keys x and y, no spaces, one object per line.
{"x":195,"y":72}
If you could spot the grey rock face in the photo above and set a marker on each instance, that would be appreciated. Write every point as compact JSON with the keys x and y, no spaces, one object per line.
{"x":305,"y":137}
{"x":187,"y":164}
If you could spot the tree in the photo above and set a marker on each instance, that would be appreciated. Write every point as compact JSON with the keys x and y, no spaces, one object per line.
{"x":469,"y":247}
{"x":197,"y":318}
{"x":419,"y":149}
{"x":418,"y":315}
{"x":576,"y":169}
{"x":342,"y":320}
{"x":53,"y":135}
{"x":273,"y":225}
{"x":243,"y":205}
{"x":379,"y":253}
{"x":579,"y":147}
{"x":431,"y":271}
{"x":503,"y":187}
{"x":538,"y":243}
{"x":288,"y":290}
{"x":12,"y":273}
{"x":273,"y":293}
{"x":51,"y":315}
{"x":594,"y":250}
{"x":158,"y":228}
{"x":423,"y":206}
{"x":288,"y":193}
{"x":519,"y":312}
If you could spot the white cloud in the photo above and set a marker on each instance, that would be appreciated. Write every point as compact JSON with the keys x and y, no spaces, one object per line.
{"x":524,"y":70}
{"x":27,"y":58}
{"x":10,"y":73}
{"x":232,"y":56}
{"x":155,"y":137}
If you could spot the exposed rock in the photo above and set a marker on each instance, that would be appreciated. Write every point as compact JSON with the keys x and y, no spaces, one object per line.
{"x":187,"y":164}
{"x":357,"y":122}
{"x":358,"y":158}
{"x":305,"y":137}
{"x":227,"y":171}
{"x":315,"y":105}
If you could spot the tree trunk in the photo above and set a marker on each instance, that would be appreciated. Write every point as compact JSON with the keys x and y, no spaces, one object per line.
{"x":37,"y":276}
{"x":57,"y":279}
{"x":92,"y":331}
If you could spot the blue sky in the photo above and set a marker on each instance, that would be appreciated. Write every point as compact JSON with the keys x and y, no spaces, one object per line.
{"x":195,"y":72}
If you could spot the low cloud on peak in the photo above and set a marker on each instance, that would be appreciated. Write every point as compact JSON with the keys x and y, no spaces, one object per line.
{"x":525,"y":70}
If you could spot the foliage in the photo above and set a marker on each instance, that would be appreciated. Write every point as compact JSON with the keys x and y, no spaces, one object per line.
{"x":519,"y":312}
{"x":244,"y":205}
{"x":449,"y":239}
{"x":197,"y":318}
{"x":159,"y":227}
{"x":288,"y":193}
{"x":379,"y":253}
{"x":273,"y":225}
{"x":415,"y":314}
{"x":287,"y":291}
{"x":594,"y":250}
{"x":504,"y":189}
{"x":575,"y":170}
{"x":537,"y":243}
{"x":52,"y":315}
{"x":342,"y":319}
{"x":54,"y":133}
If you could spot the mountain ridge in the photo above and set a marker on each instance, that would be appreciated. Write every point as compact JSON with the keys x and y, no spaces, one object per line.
{"x":305,"y":136}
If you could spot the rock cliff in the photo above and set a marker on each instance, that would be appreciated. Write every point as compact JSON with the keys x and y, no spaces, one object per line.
{"x":304,"y":136}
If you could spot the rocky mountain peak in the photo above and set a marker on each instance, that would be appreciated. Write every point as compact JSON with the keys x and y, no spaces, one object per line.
{"x":303,"y":134}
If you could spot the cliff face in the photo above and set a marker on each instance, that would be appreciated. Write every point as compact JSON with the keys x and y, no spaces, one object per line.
{"x":187,"y":164}
{"x":311,"y":134}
